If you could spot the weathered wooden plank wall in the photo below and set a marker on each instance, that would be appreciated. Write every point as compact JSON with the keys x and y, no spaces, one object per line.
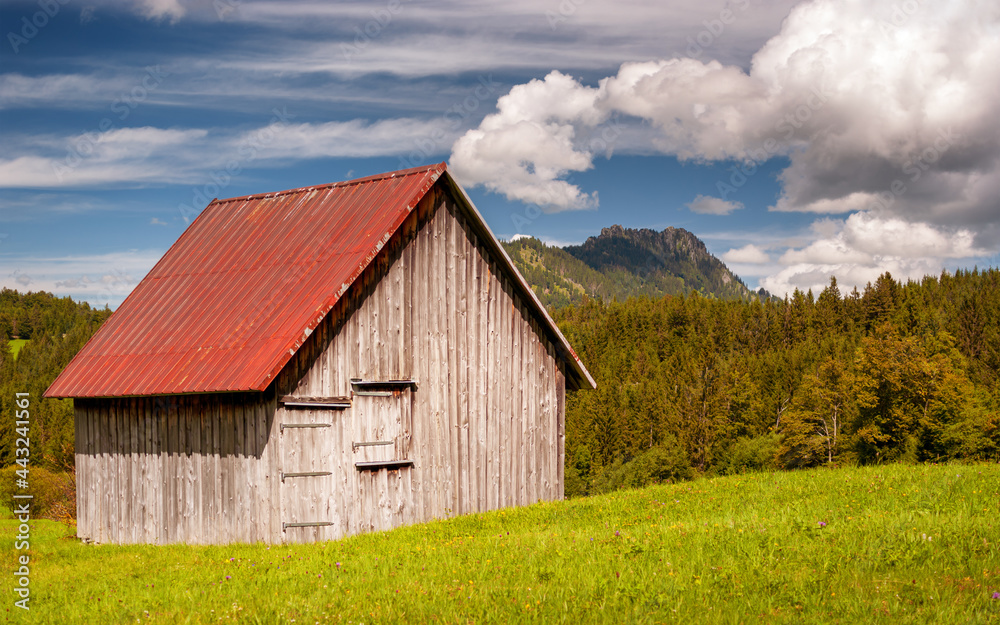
{"x":192,"y":469}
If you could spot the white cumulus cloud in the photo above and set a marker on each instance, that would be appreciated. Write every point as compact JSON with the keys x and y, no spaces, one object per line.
{"x":748,"y":254}
{"x":524,"y":148}
{"x":886,"y":112}
{"x":862,"y":247}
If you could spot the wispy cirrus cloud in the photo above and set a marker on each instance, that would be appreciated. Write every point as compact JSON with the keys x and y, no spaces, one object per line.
{"x":101,"y":279}
{"x":57,"y":90}
{"x":356,"y":138}
{"x":707,"y":205}
{"x":172,"y":10}
{"x":422,"y":39}
{"x":853,"y":95}
{"x":125,"y":155}
{"x":136,"y":156}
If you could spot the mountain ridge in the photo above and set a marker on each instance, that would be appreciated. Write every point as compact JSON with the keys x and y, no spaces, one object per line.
{"x":624,"y":262}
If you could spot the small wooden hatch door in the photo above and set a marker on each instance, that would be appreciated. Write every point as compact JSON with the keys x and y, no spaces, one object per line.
{"x":382,"y":423}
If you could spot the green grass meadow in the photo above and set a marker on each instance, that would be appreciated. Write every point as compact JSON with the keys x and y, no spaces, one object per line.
{"x":892,"y":544}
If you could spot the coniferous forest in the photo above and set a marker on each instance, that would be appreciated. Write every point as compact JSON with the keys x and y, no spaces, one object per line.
{"x":689,"y":384}
{"x":55,"y":328}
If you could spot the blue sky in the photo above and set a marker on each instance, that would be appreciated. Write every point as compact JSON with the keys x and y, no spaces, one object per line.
{"x":798,"y":140}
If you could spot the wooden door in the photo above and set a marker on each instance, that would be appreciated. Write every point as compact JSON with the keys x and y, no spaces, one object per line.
{"x":382,"y":414}
{"x":307,"y":477}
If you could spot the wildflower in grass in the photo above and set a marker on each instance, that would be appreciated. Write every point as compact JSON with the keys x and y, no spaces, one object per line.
{"x":822,"y":523}
{"x":996,"y":595}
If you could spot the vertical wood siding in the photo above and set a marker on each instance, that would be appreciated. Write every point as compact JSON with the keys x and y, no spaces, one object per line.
{"x":191,"y":469}
{"x":487,"y":412}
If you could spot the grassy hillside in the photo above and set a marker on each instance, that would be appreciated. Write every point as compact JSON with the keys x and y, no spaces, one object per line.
{"x":16,"y":345}
{"x":899,"y":544}
{"x":558,"y":278}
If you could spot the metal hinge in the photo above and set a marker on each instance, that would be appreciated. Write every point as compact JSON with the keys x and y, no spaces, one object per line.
{"x":285,"y":526}
{"x":355,"y":446}
{"x":304,"y":425}
{"x":382,"y":464}
{"x":308,"y":474}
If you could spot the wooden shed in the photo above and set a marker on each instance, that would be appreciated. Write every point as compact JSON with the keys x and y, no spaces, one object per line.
{"x":320,"y":362}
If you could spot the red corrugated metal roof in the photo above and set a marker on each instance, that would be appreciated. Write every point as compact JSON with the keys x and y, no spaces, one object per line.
{"x":243,"y":287}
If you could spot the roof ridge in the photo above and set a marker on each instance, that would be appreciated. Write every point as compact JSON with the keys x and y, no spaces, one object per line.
{"x":237,"y":319}
{"x":442,"y":166}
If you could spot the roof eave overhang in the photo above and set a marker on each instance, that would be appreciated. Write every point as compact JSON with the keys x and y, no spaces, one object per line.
{"x":577,"y":376}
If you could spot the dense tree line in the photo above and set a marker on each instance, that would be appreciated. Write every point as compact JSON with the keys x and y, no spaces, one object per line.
{"x":688,"y":384}
{"x":57,"y":328}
